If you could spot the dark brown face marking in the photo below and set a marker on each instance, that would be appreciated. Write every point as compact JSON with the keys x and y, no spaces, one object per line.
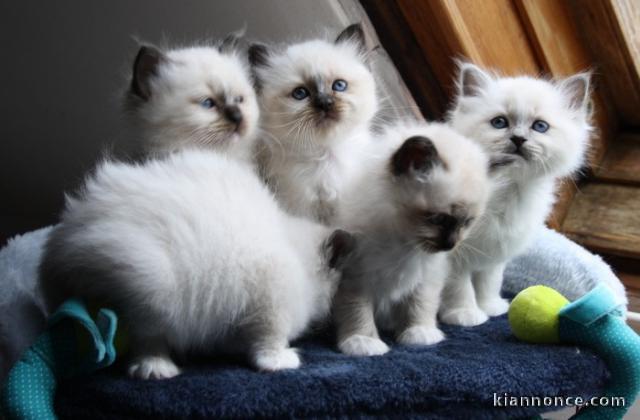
{"x":233,"y":114}
{"x":340,"y":245}
{"x":518,"y":141}
{"x":145,"y":67}
{"x":445,"y":227}
{"x":323,"y":102}
{"x":417,"y":153}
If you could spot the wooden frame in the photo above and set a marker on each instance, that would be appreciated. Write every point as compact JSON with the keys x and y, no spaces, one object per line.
{"x":552,"y":37}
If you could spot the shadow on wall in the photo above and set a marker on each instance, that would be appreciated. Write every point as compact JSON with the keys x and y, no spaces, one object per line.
{"x":66,"y":64}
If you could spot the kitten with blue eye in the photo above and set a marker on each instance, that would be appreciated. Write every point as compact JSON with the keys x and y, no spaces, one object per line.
{"x":536,"y":131}
{"x":200,"y":96}
{"x":317,"y":101}
{"x":417,"y":199}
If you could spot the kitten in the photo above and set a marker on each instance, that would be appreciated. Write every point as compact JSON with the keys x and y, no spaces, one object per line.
{"x":193,"y":97}
{"x":415,"y":203}
{"x":317,"y":101}
{"x":194,"y":254}
{"x":539,"y":132}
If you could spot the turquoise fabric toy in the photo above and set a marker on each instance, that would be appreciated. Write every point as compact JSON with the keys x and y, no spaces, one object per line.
{"x":539,"y":314}
{"x":73,"y":344}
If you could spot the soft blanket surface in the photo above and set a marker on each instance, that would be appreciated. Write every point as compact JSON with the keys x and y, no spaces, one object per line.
{"x":453,"y":379}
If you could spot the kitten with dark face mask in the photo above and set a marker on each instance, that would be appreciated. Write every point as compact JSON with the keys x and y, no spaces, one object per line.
{"x":535,"y":131}
{"x":193,"y":97}
{"x":416,"y":200}
{"x":317,"y":100}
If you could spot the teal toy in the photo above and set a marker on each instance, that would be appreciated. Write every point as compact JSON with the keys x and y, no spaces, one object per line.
{"x":539,"y":314}
{"x":74,"y":343}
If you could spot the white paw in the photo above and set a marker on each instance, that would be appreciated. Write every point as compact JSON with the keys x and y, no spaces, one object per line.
{"x":272,"y":360}
{"x":419,"y":335}
{"x":361,"y":345}
{"x":494,"y":307}
{"x":465,"y":317}
{"x":153,"y":367}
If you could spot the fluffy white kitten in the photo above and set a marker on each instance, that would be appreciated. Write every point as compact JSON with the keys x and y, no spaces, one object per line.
{"x":195,"y":255}
{"x":317,"y":101}
{"x":536,"y":131}
{"x":193,"y":97}
{"x":418,"y":199}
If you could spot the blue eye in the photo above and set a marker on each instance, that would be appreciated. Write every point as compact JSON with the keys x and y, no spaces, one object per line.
{"x":208,"y":103}
{"x":500,"y":122}
{"x":540,"y":126}
{"x":339,"y":85}
{"x":300,"y":93}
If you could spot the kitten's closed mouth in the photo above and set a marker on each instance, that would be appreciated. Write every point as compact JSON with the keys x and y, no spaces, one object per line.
{"x":509,"y":157}
{"x":327,"y":117}
{"x":431,"y":247}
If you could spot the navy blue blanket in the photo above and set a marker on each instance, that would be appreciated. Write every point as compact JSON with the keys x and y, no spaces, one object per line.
{"x":456,"y":378}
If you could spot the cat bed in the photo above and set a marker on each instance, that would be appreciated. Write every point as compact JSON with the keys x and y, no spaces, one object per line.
{"x":455,"y":378}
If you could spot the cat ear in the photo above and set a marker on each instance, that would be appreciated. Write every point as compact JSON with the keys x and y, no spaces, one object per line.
{"x":417,"y":156}
{"x":145,"y":67}
{"x":259,"y":55}
{"x":578,"y":90}
{"x":472,"y":80}
{"x":339,"y":247}
{"x":353,"y":34}
{"x":231,"y":42}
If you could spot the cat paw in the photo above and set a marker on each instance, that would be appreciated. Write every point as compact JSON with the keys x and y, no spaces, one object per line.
{"x":153,"y":367}
{"x":419,"y":335}
{"x":273,"y":360}
{"x":465,"y":317}
{"x":361,"y":345}
{"x":494,"y":307}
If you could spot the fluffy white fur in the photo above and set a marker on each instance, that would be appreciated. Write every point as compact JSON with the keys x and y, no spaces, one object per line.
{"x":525,"y":177}
{"x":417,"y":199}
{"x":195,"y":255}
{"x":308,"y":153}
{"x":166,"y":103}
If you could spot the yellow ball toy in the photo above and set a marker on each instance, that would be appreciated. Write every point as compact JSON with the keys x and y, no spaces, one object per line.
{"x":533,"y":314}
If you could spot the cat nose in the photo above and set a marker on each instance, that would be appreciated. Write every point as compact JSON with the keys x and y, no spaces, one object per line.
{"x":233,"y":114}
{"x":518,"y":141}
{"x":447,"y":244}
{"x":323,"y":102}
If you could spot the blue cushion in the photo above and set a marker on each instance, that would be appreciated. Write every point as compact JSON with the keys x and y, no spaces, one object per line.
{"x":456,"y":378}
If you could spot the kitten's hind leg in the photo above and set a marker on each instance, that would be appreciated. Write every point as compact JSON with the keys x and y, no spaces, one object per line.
{"x":357,"y":332}
{"x":151,"y":359}
{"x":458,"y":306}
{"x":269,"y":347}
{"x":487,"y":284}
